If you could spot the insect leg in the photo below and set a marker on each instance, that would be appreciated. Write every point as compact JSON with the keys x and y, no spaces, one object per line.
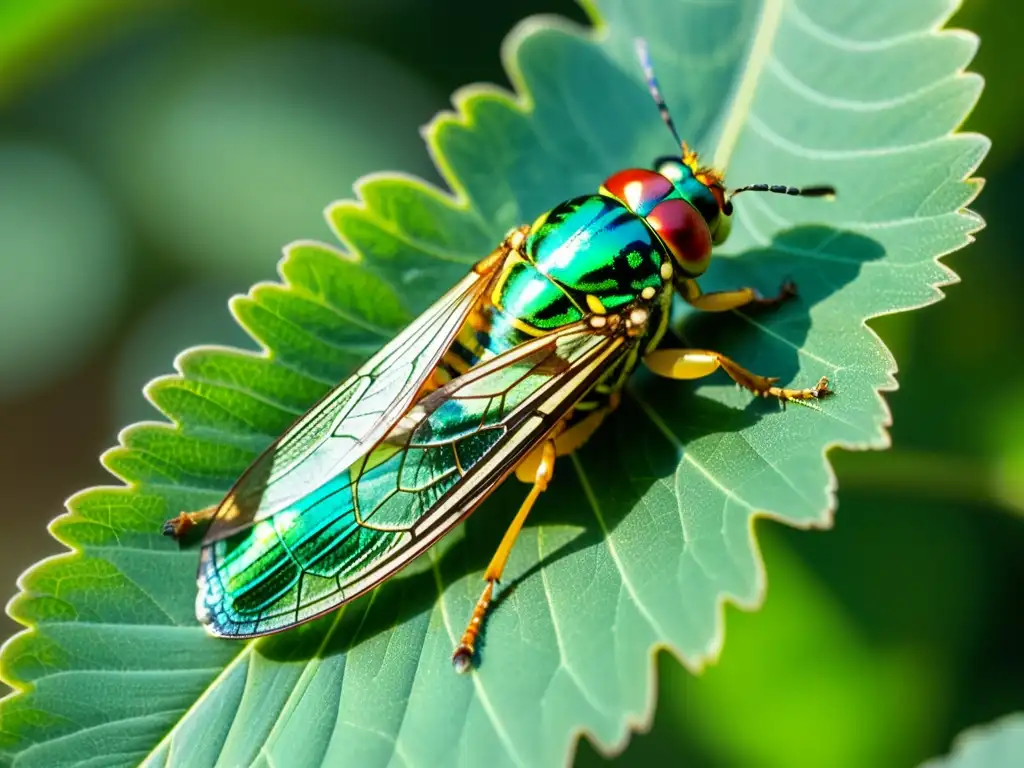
{"x":697,"y":363}
{"x":462,"y":659}
{"x":178,"y":527}
{"x":722,"y":301}
{"x":567,"y":440}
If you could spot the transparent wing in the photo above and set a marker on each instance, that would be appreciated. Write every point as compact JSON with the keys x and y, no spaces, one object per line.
{"x":431,"y":470}
{"x":350,"y":419}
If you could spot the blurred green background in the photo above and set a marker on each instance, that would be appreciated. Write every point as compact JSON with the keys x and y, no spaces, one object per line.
{"x":153,"y":162}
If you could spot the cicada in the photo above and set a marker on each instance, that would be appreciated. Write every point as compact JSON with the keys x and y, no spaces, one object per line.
{"x":516,"y":365}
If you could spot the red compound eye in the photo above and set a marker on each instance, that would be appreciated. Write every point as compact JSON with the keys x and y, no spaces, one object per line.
{"x":685,"y":232}
{"x":638,"y":188}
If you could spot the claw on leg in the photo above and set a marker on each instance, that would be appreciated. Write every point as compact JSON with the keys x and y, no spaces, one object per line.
{"x":697,"y":363}
{"x":818,"y":391}
{"x":462,"y":659}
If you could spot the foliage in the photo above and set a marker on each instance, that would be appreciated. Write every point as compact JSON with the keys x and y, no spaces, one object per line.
{"x":995,"y":745}
{"x":646,"y":531}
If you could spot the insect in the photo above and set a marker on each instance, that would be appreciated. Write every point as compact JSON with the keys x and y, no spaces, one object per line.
{"x":515,"y":365}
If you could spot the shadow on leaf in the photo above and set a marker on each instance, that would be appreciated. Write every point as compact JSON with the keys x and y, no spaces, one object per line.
{"x":642,"y":444}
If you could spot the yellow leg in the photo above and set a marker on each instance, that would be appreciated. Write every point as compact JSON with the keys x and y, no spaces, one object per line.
{"x":179,"y":527}
{"x":697,"y":363}
{"x":566,"y":440}
{"x":462,"y":659}
{"x":723,"y":301}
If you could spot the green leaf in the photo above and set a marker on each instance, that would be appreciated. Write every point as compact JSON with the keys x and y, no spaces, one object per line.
{"x":995,"y":745}
{"x":873,"y":703}
{"x":648,"y":529}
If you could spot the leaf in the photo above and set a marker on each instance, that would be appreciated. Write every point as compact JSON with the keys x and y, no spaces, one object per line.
{"x":996,"y":745}
{"x":648,"y":529}
{"x":874,"y":703}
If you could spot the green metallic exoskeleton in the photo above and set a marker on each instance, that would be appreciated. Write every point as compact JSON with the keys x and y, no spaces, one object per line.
{"x":517,"y":364}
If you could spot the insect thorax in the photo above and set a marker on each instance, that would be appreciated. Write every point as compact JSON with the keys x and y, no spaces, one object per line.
{"x":590,"y":255}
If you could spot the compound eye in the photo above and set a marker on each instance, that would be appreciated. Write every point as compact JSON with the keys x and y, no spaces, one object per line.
{"x":685,"y":232}
{"x":639,"y":189}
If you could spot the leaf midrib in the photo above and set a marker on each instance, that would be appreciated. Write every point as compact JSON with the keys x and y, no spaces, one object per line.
{"x":736,"y":115}
{"x":766,"y":29}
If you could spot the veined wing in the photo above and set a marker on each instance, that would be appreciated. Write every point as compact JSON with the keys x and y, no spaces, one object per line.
{"x":432,"y":469}
{"x":351,"y":418}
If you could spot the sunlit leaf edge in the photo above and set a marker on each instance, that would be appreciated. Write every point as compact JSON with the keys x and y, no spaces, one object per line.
{"x":1001,"y":740}
{"x":464,"y":101}
{"x":521,"y":100}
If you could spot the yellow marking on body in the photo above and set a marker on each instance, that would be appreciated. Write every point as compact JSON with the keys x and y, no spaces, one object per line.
{"x":647,"y":293}
{"x":438,"y":378}
{"x":456,"y":363}
{"x":539,"y":221}
{"x":594,"y":305}
{"x":666,"y":271}
{"x":477,"y":320}
{"x":468,"y":337}
{"x":502,"y":278}
{"x":598,"y":321}
{"x":526,"y":328}
{"x":472,"y":344}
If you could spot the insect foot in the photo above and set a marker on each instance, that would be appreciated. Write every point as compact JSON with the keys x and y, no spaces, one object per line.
{"x":178,"y":527}
{"x":818,"y":391}
{"x":786,"y":292}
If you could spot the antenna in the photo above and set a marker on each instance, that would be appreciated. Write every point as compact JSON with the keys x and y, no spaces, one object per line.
{"x":644,"y":55}
{"x":781,"y":189}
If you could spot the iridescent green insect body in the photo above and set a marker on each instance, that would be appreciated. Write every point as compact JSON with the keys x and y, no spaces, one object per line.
{"x":517,"y":364}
